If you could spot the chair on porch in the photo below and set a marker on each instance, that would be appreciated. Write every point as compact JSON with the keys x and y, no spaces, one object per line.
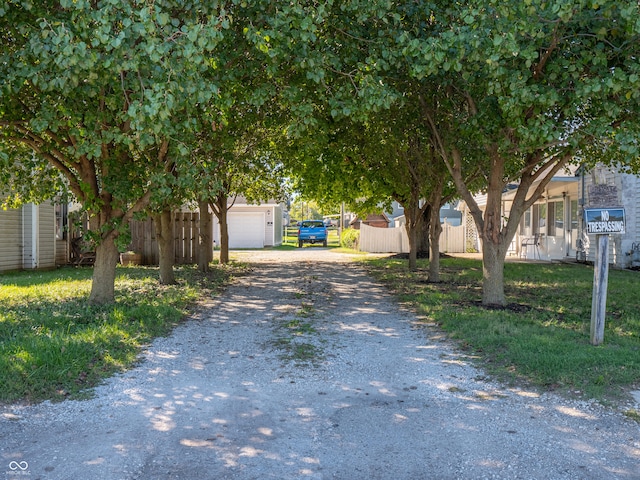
{"x":530,"y":242}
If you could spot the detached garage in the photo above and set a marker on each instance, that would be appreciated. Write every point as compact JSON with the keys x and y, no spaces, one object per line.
{"x":246,"y":229}
{"x":252,"y":226}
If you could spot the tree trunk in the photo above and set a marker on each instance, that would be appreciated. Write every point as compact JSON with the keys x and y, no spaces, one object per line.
{"x":413,"y":224}
{"x":413,"y":245}
{"x":435,"y":229}
{"x":432,"y":216}
{"x":493,"y":255}
{"x":495,"y":242}
{"x":489,"y":224}
{"x":104,"y":272}
{"x":220,"y":208}
{"x":423,"y":232}
{"x":224,"y":236}
{"x":166,"y":247}
{"x":205,"y":247}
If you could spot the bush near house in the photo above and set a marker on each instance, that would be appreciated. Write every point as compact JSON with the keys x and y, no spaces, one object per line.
{"x":350,"y":238}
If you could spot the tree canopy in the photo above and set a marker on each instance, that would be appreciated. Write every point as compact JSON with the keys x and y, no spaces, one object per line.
{"x":515,"y":90}
{"x":108,"y":94}
{"x":116,"y":96}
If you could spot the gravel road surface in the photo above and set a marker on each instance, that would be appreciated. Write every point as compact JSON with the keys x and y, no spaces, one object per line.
{"x":306,"y":368}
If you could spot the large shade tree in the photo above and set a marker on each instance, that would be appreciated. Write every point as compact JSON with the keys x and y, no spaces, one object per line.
{"x":535,"y":85}
{"x":532,"y":85}
{"x":232,"y":154}
{"x":402,"y":158}
{"x":102,"y":91}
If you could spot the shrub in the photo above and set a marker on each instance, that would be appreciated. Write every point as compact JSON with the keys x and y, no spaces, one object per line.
{"x":350,"y":238}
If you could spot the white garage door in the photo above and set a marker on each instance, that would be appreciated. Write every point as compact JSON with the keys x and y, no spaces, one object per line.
{"x":246,"y":230}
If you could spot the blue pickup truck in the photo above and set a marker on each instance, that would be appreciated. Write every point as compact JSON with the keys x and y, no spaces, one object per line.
{"x":312,"y":231}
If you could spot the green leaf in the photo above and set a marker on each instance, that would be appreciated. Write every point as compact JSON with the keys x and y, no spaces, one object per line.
{"x":193,"y":33}
{"x":162,"y":19}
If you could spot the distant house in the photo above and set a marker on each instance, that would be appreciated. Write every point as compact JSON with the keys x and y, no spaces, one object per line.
{"x":33,"y":237}
{"x":395,"y":214}
{"x":448,"y":213}
{"x":373,"y":220}
{"x":253,"y":225}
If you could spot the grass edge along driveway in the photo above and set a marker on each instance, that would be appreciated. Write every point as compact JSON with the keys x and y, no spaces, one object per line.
{"x":541,"y":337}
{"x":53,"y":345}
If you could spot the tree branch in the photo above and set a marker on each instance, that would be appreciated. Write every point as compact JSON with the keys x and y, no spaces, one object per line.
{"x":537,"y":71}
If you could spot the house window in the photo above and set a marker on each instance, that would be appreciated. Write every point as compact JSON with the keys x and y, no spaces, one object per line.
{"x":574,"y":214}
{"x":61,"y":221}
{"x":556,"y":219}
{"x":559,"y":217}
{"x":542,"y":218}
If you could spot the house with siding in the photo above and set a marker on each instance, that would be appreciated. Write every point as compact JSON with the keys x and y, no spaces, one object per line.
{"x":554,"y":227}
{"x":33,"y":237}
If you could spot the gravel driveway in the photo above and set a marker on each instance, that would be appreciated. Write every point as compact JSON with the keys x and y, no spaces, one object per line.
{"x":307,"y":368}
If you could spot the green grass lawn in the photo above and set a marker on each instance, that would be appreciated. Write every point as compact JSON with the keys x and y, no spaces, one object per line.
{"x":53,"y":345}
{"x":542,"y":336}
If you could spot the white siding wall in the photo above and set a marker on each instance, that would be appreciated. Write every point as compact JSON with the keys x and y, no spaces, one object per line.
{"x":47,"y":236}
{"x":10,"y":239}
{"x":631,"y":188}
{"x":19,"y":248}
{"x":277,"y":225}
{"x":269,"y":227}
{"x":29,"y":246}
{"x":62,"y":254}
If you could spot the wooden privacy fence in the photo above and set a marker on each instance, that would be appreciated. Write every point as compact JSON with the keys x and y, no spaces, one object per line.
{"x":186,"y":235}
{"x":395,"y":240}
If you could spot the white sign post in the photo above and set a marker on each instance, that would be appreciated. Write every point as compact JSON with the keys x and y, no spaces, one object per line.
{"x":602,"y":222}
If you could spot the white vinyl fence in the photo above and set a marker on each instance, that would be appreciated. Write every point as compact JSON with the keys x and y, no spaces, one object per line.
{"x":383,"y":240}
{"x":452,"y":239}
{"x":395,"y":240}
